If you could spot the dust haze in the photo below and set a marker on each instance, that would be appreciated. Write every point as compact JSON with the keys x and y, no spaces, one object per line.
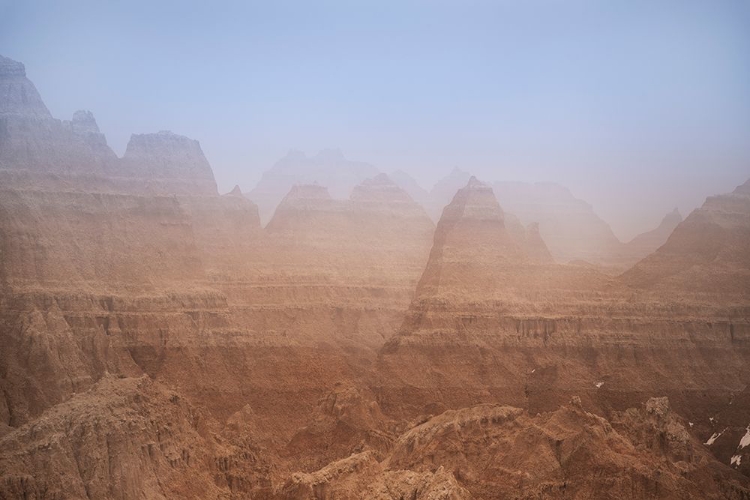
{"x":637,"y":108}
{"x":352,"y":250}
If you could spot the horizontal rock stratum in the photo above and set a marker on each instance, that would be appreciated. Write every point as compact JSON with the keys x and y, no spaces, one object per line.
{"x":158,"y":340}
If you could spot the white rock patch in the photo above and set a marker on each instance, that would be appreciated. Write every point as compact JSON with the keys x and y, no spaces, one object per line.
{"x":599,"y":384}
{"x":745,"y":441}
{"x":713,"y":438}
{"x":735,"y":460}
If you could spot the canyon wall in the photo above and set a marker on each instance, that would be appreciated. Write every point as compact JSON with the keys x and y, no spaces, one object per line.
{"x":159,"y":342}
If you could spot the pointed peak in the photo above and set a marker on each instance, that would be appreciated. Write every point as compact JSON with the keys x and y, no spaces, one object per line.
{"x":236,"y":191}
{"x":475,"y":183}
{"x":476,"y":200}
{"x":84,"y":121}
{"x":380,"y":189}
{"x":743,"y":188}
{"x":672,"y":218}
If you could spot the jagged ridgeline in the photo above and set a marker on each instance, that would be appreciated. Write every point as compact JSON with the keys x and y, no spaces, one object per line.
{"x":355,"y":337}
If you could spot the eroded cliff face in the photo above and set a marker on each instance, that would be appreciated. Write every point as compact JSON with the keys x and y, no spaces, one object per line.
{"x":488,"y":324}
{"x":327,"y":168}
{"x":157,"y":342}
{"x":129,"y":438}
{"x":570,"y":229}
{"x":709,"y":252}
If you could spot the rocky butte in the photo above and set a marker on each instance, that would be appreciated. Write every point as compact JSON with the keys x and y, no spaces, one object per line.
{"x":157,"y":341}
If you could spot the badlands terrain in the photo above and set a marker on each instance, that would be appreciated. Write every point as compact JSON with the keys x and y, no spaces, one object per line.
{"x":341,"y":333}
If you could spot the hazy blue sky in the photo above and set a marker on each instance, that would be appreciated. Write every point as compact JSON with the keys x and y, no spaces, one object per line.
{"x":637,"y":106}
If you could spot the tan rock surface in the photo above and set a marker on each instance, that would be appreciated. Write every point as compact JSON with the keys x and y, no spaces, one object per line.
{"x":157,"y":342}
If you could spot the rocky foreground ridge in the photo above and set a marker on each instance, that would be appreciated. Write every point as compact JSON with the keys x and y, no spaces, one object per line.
{"x":159,"y":342}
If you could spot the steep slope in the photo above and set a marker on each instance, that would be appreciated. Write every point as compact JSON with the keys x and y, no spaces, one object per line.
{"x":33,"y":144}
{"x":443,"y":191}
{"x":569,"y":226}
{"x":169,"y":163}
{"x":128,"y":438}
{"x":472,"y":250}
{"x":18,"y":96}
{"x":496,"y":451}
{"x":157,"y":341}
{"x":327,"y":168}
{"x":488,"y":324}
{"x":411,"y":186}
{"x":500,"y":452}
{"x":648,"y":242}
{"x":707,"y":252}
{"x":379,"y":225}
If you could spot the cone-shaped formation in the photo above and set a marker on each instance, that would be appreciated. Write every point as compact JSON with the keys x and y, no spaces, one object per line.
{"x":411,"y":186}
{"x":472,"y":249}
{"x":646,"y":243}
{"x":380,"y":221}
{"x":444,"y":190}
{"x":707,"y":252}
{"x":329,"y":167}
{"x":236,"y":191}
{"x":380,"y":189}
{"x":162,"y":283}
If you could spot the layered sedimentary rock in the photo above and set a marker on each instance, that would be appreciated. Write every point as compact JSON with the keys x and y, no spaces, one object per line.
{"x":443,"y":191}
{"x":170,"y":163}
{"x":327,"y":168}
{"x":708,"y":252}
{"x":411,"y":186}
{"x":18,"y":96}
{"x":46,"y":153}
{"x":128,"y":438}
{"x":646,"y":243}
{"x":379,"y":222}
{"x":158,"y":342}
{"x":497,"y":451}
{"x":569,"y":227}
{"x":488,"y":324}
